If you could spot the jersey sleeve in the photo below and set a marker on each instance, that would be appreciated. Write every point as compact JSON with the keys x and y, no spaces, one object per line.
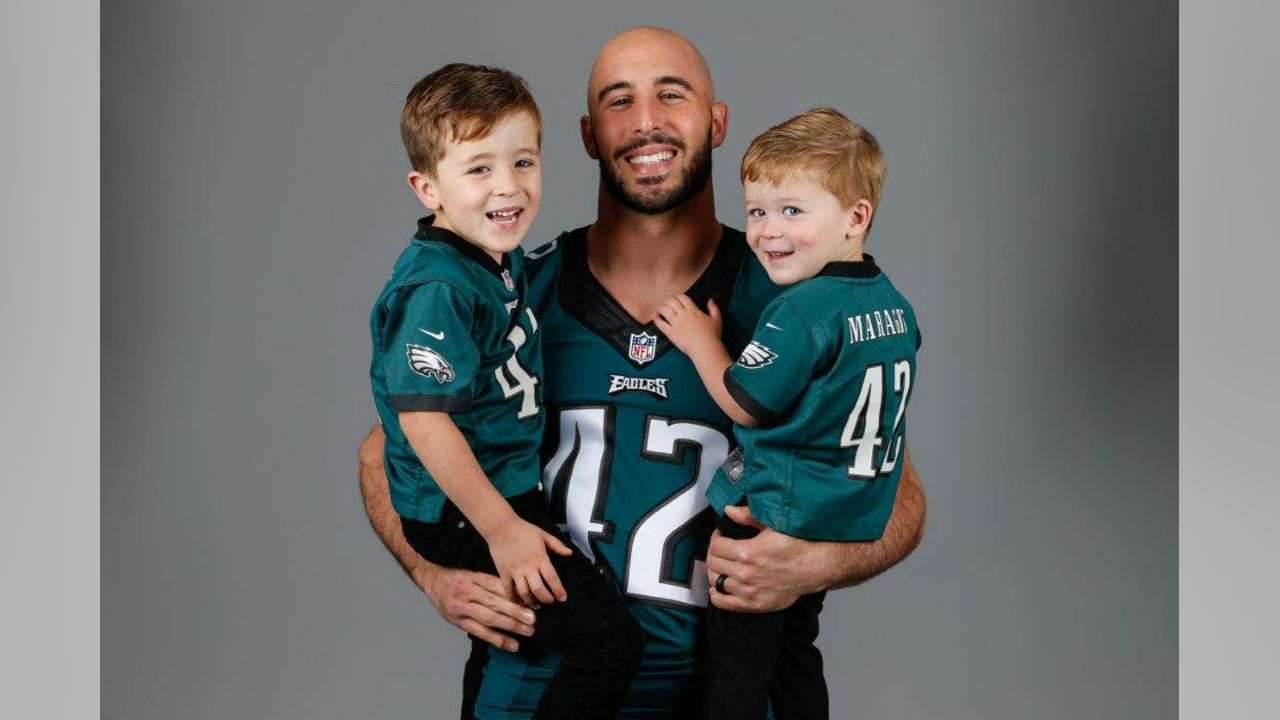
{"x":430,"y":359}
{"x":776,"y":366}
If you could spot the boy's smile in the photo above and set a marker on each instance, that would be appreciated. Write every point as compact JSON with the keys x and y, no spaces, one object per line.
{"x":488,"y":190}
{"x":797,"y":226}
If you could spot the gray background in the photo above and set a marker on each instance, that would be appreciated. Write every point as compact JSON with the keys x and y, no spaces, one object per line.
{"x":253,"y":200}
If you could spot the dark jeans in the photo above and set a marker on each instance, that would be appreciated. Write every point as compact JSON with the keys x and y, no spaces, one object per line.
{"x":600,"y":642}
{"x":763,"y":659}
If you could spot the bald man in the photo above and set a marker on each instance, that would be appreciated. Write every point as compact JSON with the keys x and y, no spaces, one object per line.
{"x":632,"y":437}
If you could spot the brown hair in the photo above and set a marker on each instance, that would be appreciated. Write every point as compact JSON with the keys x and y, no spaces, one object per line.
{"x":459,"y":103}
{"x":824,"y":145}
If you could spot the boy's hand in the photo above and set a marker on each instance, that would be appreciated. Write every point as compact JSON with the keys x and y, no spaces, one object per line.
{"x":688,"y":328}
{"x":519,"y":551}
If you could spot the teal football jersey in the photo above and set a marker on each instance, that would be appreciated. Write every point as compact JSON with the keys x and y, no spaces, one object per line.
{"x":632,"y":442}
{"x":828,"y":374}
{"x":452,"y":332}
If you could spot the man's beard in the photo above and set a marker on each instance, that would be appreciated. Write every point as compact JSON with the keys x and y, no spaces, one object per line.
{"x":696,"y":175}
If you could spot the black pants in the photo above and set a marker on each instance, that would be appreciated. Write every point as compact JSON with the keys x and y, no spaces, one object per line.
{"x":600,"y":642}
{"x":763,"y":659}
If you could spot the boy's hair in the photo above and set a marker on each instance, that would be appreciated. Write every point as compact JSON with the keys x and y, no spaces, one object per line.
{"x":825,"y":146}
{"x":460,"y":102}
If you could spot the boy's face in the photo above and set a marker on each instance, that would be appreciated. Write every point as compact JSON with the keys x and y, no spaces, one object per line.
{"x":487,"y":190}
{"x":797,"y":226}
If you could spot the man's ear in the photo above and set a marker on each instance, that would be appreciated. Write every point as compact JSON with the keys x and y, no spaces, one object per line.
{"x":588,"y":139}
{"x":719,"y":123}
{"x":424,"y":187}
{"x":860,"y":218}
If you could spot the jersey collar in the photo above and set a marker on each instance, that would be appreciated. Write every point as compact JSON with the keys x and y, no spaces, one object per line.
{"x":864,"y":268}
{"x":583,"y":297}
{"x":427,"y":232}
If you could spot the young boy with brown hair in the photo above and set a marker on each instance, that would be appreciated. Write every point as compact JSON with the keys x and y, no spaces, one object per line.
{"x":456,"y":375}
{"x":818,"y":397}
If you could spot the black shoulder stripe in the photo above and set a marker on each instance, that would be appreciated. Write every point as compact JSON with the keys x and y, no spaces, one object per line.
{"x":762,"y":414}
{"x":442,"y":403}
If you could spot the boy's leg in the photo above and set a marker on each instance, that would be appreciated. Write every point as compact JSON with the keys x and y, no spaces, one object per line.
{"x":742,"y":654}
{"x":798,"y":688}
{"x":600,"y":642}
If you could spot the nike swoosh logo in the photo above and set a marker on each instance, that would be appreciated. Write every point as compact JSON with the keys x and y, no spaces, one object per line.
{"x":428,"y":333}
{"x":769,"y":324}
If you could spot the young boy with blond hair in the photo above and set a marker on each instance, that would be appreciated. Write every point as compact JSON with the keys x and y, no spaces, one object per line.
{"x":456,"y":375}
{"x":818,"y":397}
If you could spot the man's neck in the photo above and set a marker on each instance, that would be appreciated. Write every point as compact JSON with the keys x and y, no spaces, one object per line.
{"x":644,"y":259}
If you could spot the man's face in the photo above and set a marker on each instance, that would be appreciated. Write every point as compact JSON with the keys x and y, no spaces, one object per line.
{"x":797,"y":226}
{"x":652,"y":123}
{"x":488,"y":190}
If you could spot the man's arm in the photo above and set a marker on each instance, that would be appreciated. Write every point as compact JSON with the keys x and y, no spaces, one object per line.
{"x":771,"y":570}
{"x":472,"y":601}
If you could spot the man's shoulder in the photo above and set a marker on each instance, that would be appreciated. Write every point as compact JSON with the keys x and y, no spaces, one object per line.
{"x":542,"y":264}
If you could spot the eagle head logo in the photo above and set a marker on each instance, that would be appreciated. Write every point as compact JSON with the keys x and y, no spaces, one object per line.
{"x":429,"y":363}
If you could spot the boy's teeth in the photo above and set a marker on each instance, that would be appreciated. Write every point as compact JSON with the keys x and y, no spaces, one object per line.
{"x":652,"y":159}
{"x":504,"y":214}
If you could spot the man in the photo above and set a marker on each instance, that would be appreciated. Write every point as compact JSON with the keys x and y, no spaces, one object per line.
{"x":632,"y":437}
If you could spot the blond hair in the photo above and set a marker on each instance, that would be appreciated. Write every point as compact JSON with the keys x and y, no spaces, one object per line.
{"x":460,"y":102}
{"x":825,"y":146}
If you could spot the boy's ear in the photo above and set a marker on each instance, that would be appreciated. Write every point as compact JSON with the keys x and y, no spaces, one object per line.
{"x":860,"y":218}
{"x":424,"y":187}
{"x":588,"y":139}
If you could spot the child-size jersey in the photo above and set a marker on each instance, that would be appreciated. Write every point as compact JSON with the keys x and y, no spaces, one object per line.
{"x":452,"y":332}
{"x":632,"y":440}
{"x":827,"y":374}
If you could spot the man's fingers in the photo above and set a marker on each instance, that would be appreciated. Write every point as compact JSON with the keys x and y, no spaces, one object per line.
{"x":731,"y":603}
{"x":713,"y":310}
{"x":498,"y":621}
{"x":489,"y":635}
{"x":491,"y":583}
{"x":741,"y":514}
{"x":719,"y":565}
{"x":498,"y":603}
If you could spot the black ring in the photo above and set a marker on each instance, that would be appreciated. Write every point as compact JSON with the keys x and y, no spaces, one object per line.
{"x":720,"y":584}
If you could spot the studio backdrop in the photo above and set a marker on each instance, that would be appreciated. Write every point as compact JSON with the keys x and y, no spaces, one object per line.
{"x":253,"y":200}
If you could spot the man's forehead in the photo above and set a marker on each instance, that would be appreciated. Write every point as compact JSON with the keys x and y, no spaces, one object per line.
{"x":645,"y":57}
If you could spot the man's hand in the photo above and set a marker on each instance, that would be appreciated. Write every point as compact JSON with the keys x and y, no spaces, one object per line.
{"x":469,"y":600}
{"x":767,"y":572}
{"x":475,"y":603}
{"x":771,"y":570}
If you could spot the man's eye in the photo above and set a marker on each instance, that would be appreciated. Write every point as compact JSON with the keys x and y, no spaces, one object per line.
{"x":620,"y":102}
{"x":791,"y":210}
{"x":670,"y":96}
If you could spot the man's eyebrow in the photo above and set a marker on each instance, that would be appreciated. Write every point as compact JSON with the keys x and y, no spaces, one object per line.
{"x":620,"y":85}
{"x":675,"y":80}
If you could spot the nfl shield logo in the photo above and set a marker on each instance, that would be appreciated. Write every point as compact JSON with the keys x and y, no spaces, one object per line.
{"x":642,"y":347}
{"x":506,"y":280}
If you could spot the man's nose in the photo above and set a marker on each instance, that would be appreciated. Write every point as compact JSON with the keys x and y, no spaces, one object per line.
{"x":647,"y":116}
